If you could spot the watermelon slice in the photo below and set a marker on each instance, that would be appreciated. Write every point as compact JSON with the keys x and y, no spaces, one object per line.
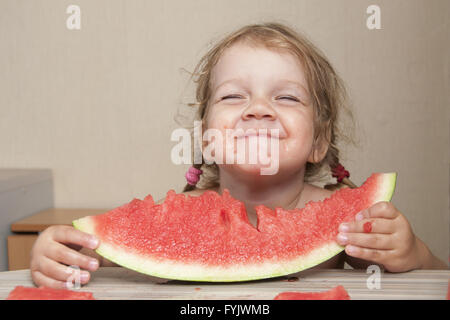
{"x":337,"y":293}
{"x":209,"y":237}
{"x":44,"y":293}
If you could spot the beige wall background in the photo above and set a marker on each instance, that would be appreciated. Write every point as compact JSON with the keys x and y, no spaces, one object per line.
{"x":97,"y":105}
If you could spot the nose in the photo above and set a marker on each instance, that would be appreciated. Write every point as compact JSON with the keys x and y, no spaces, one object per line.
{"x":259,"y":109}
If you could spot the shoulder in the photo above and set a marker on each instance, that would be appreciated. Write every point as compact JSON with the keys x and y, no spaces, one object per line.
{"x":318,"y":193}
{"x":313,"y":193}
{"x":198,"y":192}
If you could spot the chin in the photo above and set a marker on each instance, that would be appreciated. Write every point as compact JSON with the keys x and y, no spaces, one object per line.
{"x":247,"y":169}
{"x":254,"y":172}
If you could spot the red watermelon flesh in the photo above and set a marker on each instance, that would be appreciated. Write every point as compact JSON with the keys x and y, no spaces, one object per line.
{"x":45,"y":293}
{"x":209,"y":237}
{"x":337,"y":293}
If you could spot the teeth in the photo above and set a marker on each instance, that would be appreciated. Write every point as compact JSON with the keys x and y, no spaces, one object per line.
{"x":257,"y":136}
{"x":266,"y":134}
{"x":254,"y":133}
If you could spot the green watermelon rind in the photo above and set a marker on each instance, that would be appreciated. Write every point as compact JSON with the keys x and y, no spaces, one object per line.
{"x":177,"y":270}
{"x":386,"y":190}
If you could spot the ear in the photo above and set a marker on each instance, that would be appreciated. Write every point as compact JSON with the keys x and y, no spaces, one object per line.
{"x":318,"y":152}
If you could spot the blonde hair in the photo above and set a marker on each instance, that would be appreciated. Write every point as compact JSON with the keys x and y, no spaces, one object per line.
{"x":328,"y":93}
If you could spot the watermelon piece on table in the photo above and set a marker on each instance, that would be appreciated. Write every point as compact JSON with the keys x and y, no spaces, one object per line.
{"x":336,"y":293}
{"x":209,"y":237}
{"x":45,"y":293}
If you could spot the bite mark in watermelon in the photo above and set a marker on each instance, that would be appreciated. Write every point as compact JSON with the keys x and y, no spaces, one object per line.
{"x":337,"y":293}
{"x":45,"y":293}
{"x":209,"y":237}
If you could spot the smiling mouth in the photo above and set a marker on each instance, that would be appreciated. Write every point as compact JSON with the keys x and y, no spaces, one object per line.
{"x":257,"y":136}
{"x":259,"y":133}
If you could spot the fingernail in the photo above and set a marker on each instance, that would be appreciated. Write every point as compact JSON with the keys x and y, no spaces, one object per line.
{"x":342,"y":237}
{"x":70,"y":270}
{"x":344,"y":227}
{"x":93,"y":243}
{"x":84,"y":276}
{"x":359,"y":216}
{"x":69,"y":285}
{"x":93,"y":264}
{"x":350,"y":249}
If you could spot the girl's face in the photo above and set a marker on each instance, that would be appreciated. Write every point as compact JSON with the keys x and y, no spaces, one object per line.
{"x":257,"y":88}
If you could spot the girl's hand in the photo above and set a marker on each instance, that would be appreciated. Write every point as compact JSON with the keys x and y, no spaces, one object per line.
{"x":381,"y":234}
{"x":51,"y":256}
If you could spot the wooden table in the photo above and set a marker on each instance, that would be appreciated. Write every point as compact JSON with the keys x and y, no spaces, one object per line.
{"x":26,"y":231}
{"x":120,"y":283}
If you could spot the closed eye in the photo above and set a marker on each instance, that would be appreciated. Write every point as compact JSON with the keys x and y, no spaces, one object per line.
{"x":289,"y":98}
{"x":231,"y":96}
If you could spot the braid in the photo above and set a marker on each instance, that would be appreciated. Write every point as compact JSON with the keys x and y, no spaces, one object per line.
{"x":342,"y":176}
{"x":189,"y":187}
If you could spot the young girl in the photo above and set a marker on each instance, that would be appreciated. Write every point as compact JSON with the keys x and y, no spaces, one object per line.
{"x":261,"y":77}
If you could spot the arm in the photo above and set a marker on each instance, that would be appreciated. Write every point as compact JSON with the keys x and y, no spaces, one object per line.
{"x":427,"y":259}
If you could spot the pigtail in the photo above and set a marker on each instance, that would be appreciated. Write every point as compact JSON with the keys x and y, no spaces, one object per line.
{"x":188,"y":186}
{"x":342,"y":176}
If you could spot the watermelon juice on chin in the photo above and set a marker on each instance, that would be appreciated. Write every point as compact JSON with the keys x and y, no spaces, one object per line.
{"x":253,"y":149}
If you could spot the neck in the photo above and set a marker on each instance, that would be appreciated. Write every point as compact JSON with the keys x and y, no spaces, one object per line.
{"x":272,"y":191}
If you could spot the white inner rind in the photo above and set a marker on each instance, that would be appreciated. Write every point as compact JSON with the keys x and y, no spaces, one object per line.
{"x":171,"y":269}
{"x":386,"y":188}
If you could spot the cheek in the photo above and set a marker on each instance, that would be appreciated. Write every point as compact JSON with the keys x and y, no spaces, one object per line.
{"x":300,"y":132}
{"x":220,"y":119}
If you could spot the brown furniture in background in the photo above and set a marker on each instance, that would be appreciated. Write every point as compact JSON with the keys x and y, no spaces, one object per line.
{"x":27,"y":230}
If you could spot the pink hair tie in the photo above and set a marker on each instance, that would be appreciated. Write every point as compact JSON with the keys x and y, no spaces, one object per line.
{"x":193,"y":175}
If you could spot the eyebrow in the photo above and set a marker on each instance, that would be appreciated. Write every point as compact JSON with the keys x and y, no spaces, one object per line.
{"x":296,"y":84}
{"x":226,"y":82}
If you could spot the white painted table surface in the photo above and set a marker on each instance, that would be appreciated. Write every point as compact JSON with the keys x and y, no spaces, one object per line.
{"x":120,"y":283}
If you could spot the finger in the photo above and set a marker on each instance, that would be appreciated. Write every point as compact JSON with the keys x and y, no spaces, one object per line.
{"x":75,"y":247}
{"x":57,"y":271}
{"x":375,"y":255}
{"x":382,"y":209}
{"x":42,"y":280}
{"x":63,"y":254}
{"x":378,"y":225}
{"x":72,"y":236}
{"x":366,"y":240}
